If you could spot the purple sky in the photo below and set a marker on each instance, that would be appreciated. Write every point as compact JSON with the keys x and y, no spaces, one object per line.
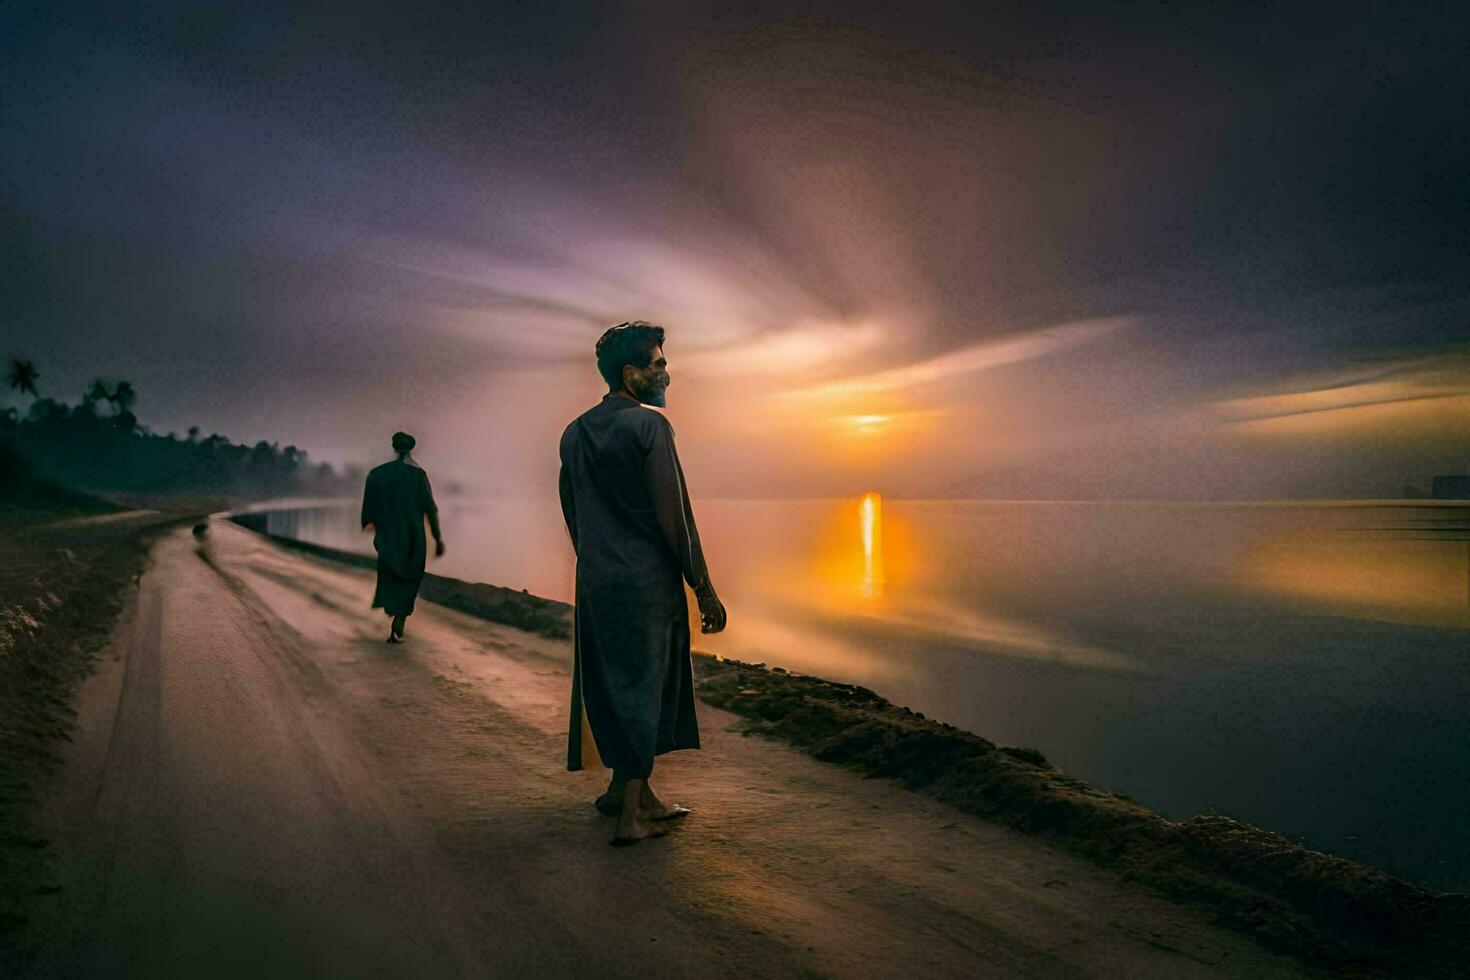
{"x":1025,"y":252}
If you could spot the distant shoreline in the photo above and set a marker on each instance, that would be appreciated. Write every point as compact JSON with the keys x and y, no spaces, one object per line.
{"x":1330,"y":909}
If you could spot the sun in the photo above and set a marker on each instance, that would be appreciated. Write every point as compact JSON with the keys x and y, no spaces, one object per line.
{"x":868,"y":424}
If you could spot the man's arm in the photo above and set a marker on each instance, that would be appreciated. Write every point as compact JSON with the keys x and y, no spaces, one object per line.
{"x":431,"y":511}
{"x":670,"y":495}
{"x":568,"y":504}
{"x":370,"y":503}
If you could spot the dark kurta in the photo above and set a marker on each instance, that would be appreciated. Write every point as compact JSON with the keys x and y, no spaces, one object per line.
{"x":395,"y":502}
{"x":627,"y":509}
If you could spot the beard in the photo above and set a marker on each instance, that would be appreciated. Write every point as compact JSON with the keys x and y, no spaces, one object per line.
{"x":653,"y":394}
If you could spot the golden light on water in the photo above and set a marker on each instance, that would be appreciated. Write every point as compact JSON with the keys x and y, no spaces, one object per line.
{"x":870,"y":514}
{"x":1397,"y":580}
{"x":854,"y":561}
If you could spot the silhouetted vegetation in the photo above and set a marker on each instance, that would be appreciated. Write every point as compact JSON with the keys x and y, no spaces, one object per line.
{"x":24,"y":495}
{"x":23,"y":376}
{"x":98,"y":445}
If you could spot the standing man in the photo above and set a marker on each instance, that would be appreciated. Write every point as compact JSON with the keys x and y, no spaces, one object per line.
{"x":395,"y":502}
{"x":627,"y":509}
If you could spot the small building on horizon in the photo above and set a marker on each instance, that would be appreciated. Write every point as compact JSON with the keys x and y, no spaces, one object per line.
{"x":1451,"y":488}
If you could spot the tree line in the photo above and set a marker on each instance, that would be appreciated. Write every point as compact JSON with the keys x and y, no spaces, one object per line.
{"x":98,"y":445}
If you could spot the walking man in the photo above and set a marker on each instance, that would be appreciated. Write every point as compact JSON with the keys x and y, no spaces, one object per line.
{"x":395,"y":502}
{"x":628,"y":513}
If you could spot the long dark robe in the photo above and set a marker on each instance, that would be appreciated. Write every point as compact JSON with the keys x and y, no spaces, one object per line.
{"x":395,"y":502}
{"x":628,"y":512}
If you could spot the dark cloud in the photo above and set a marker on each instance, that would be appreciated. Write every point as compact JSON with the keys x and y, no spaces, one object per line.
{"x":308,"y":224}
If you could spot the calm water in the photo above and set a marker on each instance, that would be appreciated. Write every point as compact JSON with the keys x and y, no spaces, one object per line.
{"x":1302,"y":667}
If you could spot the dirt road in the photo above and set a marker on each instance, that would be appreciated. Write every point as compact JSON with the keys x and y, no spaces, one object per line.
{"x":262,"y":786}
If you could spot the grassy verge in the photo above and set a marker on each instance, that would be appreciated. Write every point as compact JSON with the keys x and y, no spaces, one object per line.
{"x":1327,"y":909}
{"x":63,"y":582}
{"x":26,"y":498}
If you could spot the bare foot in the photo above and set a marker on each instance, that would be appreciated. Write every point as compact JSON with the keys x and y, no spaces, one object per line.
{"x":633,"y":823}
{"x":634,"y":827}
{"x":655,"y":808}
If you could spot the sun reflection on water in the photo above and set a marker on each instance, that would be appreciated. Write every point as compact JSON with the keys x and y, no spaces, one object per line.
{"x":871,"y":519}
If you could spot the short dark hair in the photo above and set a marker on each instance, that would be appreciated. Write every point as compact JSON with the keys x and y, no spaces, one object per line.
{"x":403,"y":443}
{"x":626,"y":345}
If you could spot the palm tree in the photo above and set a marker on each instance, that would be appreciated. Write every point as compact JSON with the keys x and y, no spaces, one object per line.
{"x":124,"y":397}
{"x":96,"y":393}
{"x":23,"y":375}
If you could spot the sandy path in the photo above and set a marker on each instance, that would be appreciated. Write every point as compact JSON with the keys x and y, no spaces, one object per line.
{"x":262,"y":786}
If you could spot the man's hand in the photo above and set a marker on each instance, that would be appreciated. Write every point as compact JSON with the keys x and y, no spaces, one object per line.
{"x":711,"y":611}
{"x":438,"y":547}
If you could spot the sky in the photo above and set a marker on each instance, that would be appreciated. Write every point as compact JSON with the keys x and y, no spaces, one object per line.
{"x":1016,"y":251}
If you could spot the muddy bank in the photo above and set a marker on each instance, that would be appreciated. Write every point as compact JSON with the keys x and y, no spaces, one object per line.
{"x":1328,"y":909}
